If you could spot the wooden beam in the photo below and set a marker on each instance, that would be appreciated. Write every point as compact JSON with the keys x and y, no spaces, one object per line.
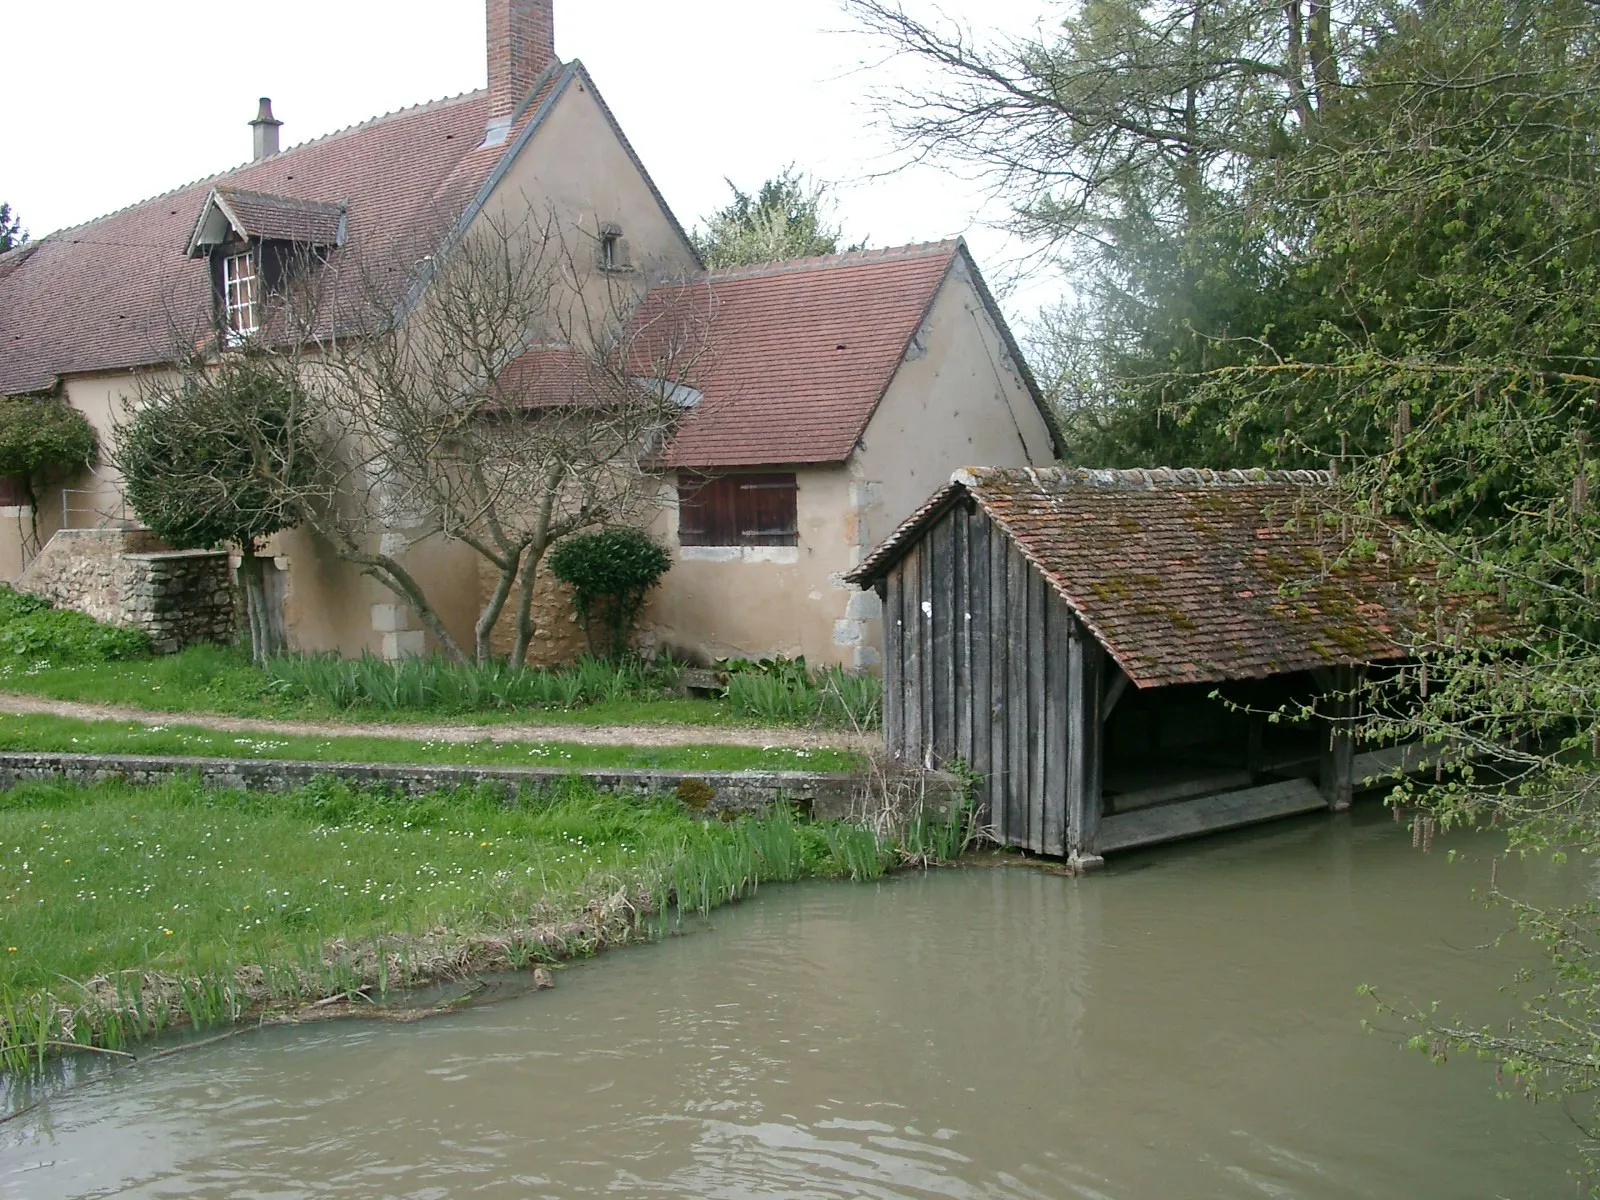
{"x":1336,"y":773}
{"x":1119,"y":685}
{"x":1084,"y":801}
{"x":1208,"y":814}
{"x":894,"y":672}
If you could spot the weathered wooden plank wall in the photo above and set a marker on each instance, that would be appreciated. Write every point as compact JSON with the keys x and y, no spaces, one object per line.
{"x":985,"y":664}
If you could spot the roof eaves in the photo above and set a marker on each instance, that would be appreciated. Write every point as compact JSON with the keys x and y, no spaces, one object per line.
{"x":1057,"y":440}
{"x":633,"y":155}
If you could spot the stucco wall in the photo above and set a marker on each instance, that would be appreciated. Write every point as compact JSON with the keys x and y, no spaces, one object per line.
{"x":956,"y":401}
{"x":96,"y":499}
{"x":730,"y":602}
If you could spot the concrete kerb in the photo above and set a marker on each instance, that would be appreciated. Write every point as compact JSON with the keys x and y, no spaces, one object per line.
{"x":822,"y":793}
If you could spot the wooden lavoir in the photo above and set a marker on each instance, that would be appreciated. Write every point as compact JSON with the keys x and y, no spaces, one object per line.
{"x":1102,"y":650}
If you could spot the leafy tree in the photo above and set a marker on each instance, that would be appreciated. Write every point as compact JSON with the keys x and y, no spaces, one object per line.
{"x":1127,"y":138}
{"x":42,"y":441}
{"x":1401,"y":280}
{"x":224,"y":453}
{"x":610,"y":572}
{"x":787,"y":218}
{"x":11,"y":232}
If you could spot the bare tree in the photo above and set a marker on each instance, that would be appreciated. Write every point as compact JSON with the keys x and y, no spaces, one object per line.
{"x":518,"y":394}
{"x":1113,"y":111}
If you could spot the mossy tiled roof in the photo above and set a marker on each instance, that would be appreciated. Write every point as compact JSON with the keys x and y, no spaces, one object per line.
{"x":1185,"y":576}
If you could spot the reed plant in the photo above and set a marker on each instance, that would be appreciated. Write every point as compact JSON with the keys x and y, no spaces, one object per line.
{"x":785,"y":691}
{"x":437,"y":685}
{"x":134,"y":911}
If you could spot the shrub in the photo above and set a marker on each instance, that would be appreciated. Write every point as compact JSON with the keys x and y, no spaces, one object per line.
{"x":59,"y":636}
{"x":610,"y":573}
{"x":14,"y":604}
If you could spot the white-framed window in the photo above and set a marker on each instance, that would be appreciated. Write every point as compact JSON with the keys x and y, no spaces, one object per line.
{"x":241,"y":289}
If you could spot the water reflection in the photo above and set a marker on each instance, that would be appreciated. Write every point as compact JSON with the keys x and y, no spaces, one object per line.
{"x":1186,"y":1025}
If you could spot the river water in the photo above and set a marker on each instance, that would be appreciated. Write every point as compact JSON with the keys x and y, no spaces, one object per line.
{"x":1185,"y":1025}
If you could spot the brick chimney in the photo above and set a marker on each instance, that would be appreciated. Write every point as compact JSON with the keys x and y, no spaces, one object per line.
{"x":522,"y":43}
{"x":265,"y":127}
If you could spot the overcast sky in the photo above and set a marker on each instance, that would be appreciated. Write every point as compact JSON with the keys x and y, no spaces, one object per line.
{"x":107,"y":102}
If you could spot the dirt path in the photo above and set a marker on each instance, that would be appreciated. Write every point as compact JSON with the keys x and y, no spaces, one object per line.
{"x":583,"y":735}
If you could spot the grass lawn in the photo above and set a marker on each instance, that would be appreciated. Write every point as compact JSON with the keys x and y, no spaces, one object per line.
{"x":65,"y":734}
{"x":207,"y":679}
{"x":128,"y":910}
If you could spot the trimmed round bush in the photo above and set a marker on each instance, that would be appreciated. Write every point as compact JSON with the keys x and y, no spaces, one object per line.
{"x":610,"y":572}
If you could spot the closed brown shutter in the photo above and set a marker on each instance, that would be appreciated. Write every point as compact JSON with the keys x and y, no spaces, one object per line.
{"x":738,"y":510}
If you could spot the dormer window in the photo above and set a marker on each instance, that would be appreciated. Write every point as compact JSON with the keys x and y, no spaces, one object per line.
{"x":256,"y":245}
{"x":241,"y":291}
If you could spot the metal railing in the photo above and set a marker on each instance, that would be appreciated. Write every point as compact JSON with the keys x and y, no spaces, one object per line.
{"x":85,"y":508}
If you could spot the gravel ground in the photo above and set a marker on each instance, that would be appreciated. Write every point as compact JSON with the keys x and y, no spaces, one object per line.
{"x":777,"y":737}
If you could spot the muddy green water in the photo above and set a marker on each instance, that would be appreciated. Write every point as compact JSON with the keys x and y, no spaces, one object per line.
{"x":1185,"y":1025}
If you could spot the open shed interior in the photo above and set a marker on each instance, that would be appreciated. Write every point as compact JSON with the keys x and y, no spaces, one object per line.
{"x":1163,"y":745}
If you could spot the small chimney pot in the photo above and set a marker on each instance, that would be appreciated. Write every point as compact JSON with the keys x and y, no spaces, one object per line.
{"x":265,"y":127}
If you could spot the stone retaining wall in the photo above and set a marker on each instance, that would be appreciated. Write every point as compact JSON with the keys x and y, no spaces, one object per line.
{"x":125,"y":577}
{"x":822,"y":793}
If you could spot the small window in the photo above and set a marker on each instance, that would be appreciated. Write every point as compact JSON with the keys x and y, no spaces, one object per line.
{"x":241,"y":286}
{"x":737,"y":510}
{"x":613,"y":249}
{"x":13,"y":492}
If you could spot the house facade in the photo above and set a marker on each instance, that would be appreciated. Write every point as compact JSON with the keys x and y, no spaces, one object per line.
{"x":830,"y":394}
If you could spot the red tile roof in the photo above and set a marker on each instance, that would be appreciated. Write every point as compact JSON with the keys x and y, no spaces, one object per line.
{"x":1184,"y":576}
{"x":793,"y":358}
{"x":107,"y":295}
{"x":556,"y":377}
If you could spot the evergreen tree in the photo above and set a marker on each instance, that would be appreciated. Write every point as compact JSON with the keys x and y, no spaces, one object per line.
{"x":11,"y":232}
{"x":787,"y":218}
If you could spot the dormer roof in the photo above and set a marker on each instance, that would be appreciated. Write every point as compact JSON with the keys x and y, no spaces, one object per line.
{"x":267,"y":217}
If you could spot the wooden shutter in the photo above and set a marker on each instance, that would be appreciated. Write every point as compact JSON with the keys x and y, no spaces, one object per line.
{"x":737,"y":510}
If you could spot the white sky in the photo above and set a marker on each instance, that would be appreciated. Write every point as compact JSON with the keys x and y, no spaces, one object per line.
{"x":107,"y":102}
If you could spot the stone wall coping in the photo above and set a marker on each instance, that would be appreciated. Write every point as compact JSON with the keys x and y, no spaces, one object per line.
{"x":825,"y":793}
{"x":168,"y":555}
{"x":12,"y":758}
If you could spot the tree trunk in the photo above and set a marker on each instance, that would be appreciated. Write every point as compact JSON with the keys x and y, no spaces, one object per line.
{"x":30,"y":539}
{"x":1189,"y":162}
{"x":1319,"y":40}
{"x":387,"y":571}
{"x":530,"y":574}
{"x":1298,"y":96}
{"x":483,"y":633}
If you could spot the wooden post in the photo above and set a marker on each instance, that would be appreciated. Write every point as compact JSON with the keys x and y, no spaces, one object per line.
{"x":894,"y":673}
{"x":1084,"y":800}
{"x":1337,"y":774}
